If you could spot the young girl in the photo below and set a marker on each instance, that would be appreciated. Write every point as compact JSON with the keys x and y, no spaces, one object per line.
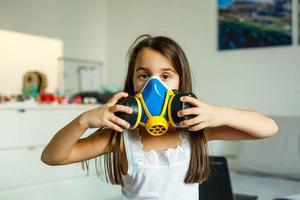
{"x":155,"y":167}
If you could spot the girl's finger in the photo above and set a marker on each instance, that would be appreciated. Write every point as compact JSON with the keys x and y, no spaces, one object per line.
{"x":114,"y":127}
{"x":198,"y":127}
{"x":189,"y":111}
{"x":114,"y":99}
{"x":119,"y":121}
{"x":192,"y":121}
{"x":120,"y":108}
{"x":191,"y":100}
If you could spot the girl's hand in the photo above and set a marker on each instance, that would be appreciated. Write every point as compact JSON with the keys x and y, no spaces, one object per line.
{"x":104,"y":116}
{"x":205,"y":115}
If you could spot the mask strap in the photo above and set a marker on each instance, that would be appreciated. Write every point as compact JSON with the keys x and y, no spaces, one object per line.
{"x":140,"y":97}
{"x":168,"y":94}
{"x":139,"y":113}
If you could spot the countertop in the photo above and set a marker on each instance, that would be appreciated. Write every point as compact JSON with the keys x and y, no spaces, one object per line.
{"x":44,"y":106}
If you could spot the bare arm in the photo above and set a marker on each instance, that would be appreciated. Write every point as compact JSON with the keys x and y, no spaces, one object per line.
{"x":222,"y":123}
{"x":241,"y":124}
{"x":67,"y":147}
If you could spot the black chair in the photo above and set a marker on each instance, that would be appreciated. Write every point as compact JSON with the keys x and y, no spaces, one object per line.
{"x":218,"y":185}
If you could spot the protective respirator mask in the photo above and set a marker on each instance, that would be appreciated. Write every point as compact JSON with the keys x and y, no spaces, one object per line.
{"x":155,"y":107}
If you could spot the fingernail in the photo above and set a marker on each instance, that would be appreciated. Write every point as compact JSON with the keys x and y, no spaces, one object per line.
{"x":182,"y":98}
{"x":179,"y":114}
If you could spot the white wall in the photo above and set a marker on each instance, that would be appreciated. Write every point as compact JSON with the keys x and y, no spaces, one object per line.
{"x":20,"y":53}
{"x":79,"y":24}
{"x":265,"y":79}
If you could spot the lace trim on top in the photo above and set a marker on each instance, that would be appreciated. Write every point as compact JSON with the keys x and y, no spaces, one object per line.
{"x":168,"y":157}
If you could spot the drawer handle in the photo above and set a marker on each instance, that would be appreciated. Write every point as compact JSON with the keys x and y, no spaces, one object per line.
{"x":31,"y":148}
{"x":21,"y":110}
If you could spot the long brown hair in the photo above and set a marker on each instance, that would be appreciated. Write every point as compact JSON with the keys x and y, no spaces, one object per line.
{"x":198,"y":170}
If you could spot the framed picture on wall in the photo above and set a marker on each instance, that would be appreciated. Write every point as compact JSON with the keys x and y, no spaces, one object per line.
{"x":254,"y":23}
{"x":299,"y":21}
{"x":79,"y":75}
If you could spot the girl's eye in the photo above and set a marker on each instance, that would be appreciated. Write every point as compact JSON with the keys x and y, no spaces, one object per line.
{"x":144,"y":76}
{"x":165,"y":76}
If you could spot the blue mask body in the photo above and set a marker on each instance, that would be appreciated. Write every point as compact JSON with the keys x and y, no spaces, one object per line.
{"x":154,"y":94}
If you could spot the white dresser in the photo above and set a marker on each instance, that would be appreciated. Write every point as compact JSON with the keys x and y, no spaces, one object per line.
{"x":25,"y":130}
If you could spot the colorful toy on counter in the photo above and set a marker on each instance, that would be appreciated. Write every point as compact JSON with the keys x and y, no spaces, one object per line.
{"x":78,"y":100}
{"x":34,"y":89}
{"x":34,"y":83}
{"x":46,"y":98}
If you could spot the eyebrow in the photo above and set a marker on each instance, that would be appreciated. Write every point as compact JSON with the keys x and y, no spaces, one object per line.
{"x":163,"y":69}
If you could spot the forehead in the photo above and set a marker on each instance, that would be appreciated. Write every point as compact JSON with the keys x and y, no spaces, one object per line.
{"x":149,"y":59}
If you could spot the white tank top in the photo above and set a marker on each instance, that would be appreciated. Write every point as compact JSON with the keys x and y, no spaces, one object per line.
{"x":157,"y":174}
